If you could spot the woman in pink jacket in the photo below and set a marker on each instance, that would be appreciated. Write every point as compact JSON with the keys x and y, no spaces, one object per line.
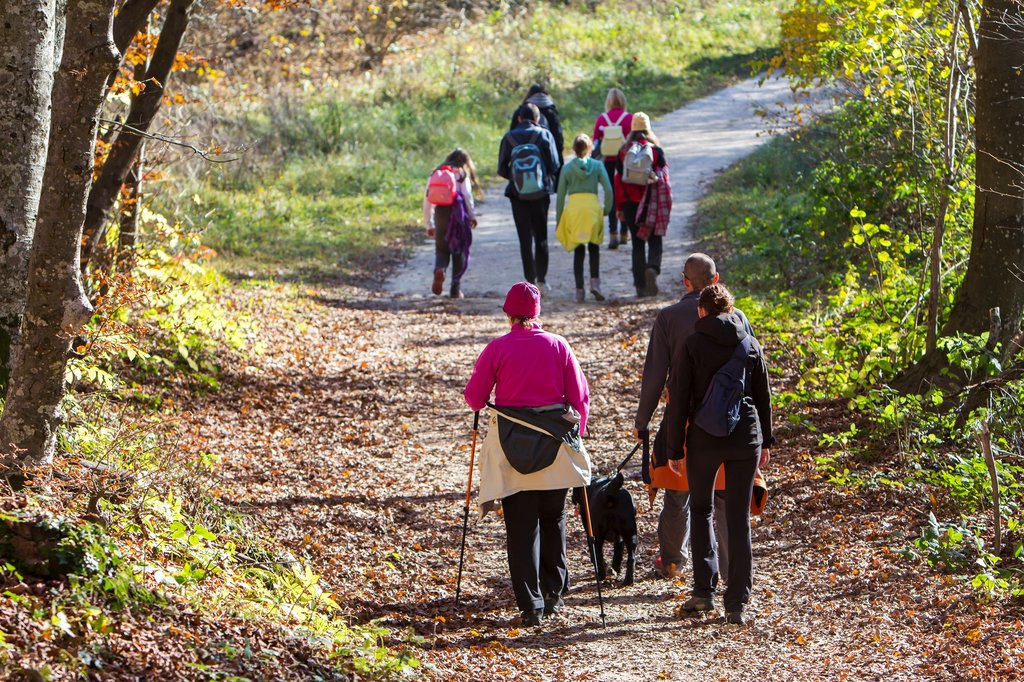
{"x":617,"y":123}
{"x":533,"y":369}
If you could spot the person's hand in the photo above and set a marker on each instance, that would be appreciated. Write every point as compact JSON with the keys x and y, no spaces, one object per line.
{"x":766,"y":455}
{"x":620,"y":215}
{"x":636,"y":434}
{"x":472,"y":223}
{"x":430,"y":232}
{"x":676,"y":465}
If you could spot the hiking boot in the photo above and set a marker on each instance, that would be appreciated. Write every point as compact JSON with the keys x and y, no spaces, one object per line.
{"x":552,"y":603}
{"x":668,"y":571}
{"x":438,"y":286}
{"x":641,"y":292}
{"x":735,"y":618}
{"x":613,"y":242}
{"x":543,"y":286}
{"x":595,"y":288}
{"x":529,"y":619}
{"x":696,"y":605}
{"x":624,"y":238}
{"x":651,"y":280}
{"x":579,"y":295}
{"x":456,"y":291}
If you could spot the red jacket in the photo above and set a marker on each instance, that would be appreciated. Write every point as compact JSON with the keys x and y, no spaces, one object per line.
{"x":629,"y":193}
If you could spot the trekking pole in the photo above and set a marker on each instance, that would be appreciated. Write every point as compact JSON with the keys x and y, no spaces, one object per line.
{"x":465,"y":507}
{"x":593,"y":552}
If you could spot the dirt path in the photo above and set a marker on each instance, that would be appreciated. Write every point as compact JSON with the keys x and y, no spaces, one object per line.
{"x":700,"y":139}
{"x":349,"y":442}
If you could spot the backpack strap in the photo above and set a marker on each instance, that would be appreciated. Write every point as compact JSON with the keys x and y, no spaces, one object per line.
{"x":739,"y":356}
{"x":621,"y":118}
{"x":607,"y":121}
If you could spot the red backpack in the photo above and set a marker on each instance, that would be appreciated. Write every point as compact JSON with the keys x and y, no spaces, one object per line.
{"x":442,"y":186}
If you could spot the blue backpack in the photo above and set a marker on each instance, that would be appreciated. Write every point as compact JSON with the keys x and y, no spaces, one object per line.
{"x":719,"y":411}
{"x":528,"y":170}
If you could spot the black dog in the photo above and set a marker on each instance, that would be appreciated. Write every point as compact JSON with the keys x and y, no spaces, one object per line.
{"x":613,"y":516}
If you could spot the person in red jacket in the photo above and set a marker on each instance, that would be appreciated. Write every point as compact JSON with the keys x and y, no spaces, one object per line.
{"x":629,"y":191}
{"x":617,"y":121}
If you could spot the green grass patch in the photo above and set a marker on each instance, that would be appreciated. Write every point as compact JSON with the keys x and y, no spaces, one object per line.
{"x":337,"y":179}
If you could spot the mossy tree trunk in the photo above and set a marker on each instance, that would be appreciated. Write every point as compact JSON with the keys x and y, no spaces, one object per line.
{"x":28,"y":61}
{"x":56,"y":306}
{"x":995,"y":271}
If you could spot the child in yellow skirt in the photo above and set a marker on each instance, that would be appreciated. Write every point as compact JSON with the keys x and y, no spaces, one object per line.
{"x":580,"y":220}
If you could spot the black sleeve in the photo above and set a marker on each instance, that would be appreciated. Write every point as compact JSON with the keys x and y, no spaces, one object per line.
{"x":659,"y":157}
{"x":504,"y":157}
{"x":555,"y":126}
{"x":677,"y":412}
{"x":762,"y":395}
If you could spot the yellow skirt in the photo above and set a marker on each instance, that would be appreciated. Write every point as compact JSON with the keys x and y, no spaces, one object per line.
{"x":582,"y":221}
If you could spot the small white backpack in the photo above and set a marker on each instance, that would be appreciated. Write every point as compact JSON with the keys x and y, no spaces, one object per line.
{"x":638,"y":164}
{"x":612,"y":137}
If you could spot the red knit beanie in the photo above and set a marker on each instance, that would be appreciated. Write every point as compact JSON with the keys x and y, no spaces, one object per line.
{"x":522,"y":300}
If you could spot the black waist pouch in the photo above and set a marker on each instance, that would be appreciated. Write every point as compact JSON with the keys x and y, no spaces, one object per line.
{"x":527,"y":449}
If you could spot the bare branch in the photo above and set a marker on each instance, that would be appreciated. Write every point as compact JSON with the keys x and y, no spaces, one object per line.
{"x":206,"y":154}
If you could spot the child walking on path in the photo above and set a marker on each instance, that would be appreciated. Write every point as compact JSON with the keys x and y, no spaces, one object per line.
{"x":448,"y":213}
{"x":641,"y":164}
{"x":610,"y":132}
{"x":580,"y":220}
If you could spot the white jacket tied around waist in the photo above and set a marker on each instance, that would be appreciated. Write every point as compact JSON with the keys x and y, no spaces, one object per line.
{"x":498,"y":479}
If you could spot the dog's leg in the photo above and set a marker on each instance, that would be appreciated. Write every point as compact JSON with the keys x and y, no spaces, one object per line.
{"x":631,"y":544}
{"x":617,"y":554}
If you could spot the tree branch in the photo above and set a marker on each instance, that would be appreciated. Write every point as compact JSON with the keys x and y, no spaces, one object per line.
{"x":206,"y":154}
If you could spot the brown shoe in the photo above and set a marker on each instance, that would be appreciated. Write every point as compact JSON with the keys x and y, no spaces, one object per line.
{"x":668,"y":571}
{"x":438,"y":286}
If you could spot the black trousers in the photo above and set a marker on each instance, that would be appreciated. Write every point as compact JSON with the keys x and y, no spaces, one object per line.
{"x":701,"y":469}
{"x":535,"y":540}
{"x":531,"y":219}
{"x":577,"y":262}
{"x":646,"y":254}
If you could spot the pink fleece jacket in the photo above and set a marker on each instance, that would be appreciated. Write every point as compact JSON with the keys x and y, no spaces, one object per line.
{"x":529,"y":368}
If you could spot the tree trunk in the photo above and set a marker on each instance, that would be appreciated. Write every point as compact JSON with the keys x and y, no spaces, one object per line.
{"x":995,"y":271}
{"x":995,"y":277}
{"x":56,"y":306}
{"x":144,"y":108}
{"x":28,"y":60}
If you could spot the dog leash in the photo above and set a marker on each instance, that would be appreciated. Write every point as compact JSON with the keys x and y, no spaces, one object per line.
{"x":628,"y":457}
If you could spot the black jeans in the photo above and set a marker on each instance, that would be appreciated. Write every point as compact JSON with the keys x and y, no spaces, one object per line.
{"x":646,"y":254}
{"x":535,"y":541}
{"x":531,"y":218}
{"x":577,"y":262}
{"x":701,"y":469}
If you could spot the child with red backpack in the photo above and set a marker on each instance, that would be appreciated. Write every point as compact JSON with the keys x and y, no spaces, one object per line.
{"x":449,"y":217}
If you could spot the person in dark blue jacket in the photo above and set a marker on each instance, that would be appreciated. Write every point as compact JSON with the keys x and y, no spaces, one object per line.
{"x":529,"y":160}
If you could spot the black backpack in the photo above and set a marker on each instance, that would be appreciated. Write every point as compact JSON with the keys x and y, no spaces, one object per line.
{"x":719,"y":411}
